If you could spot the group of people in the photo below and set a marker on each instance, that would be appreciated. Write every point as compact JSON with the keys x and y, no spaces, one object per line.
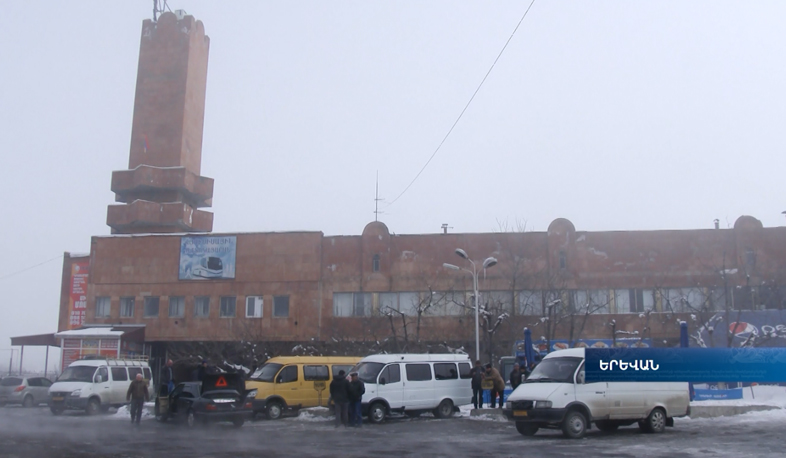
{"x":492,"y":377}
{"x":347,"y":396}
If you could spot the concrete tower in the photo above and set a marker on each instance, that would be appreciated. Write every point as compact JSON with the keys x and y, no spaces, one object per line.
{"x":163,"y":189}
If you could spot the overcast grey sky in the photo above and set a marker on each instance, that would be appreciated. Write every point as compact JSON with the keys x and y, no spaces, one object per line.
{"x":617,"y":115}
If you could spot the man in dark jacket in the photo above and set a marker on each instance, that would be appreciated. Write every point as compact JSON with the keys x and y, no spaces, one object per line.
{"x":202,"y":371}
{"x":515,"y":376}
{"x":476,"y":373}
{"x":137,"y":394}
{"x":168,"y":376}
{"x":339,"y":391}
{"x":356,"y":391}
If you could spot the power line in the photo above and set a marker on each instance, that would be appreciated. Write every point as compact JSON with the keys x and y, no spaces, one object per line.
{"x":466,"y":106}
{"x":28,"y":268}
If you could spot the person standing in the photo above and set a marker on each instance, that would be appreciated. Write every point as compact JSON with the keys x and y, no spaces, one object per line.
{"x":339,"y":391}
{"x":137,"y":394}
{"x":499,"y":386}
{"x":168,"y":376}
{"x":202,"y":371}
{"x":356,"y":391}
{"x":515,"y":376}
{"x":476,"y":373}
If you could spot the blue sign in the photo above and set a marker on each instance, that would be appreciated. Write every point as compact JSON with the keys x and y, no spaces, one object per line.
{"x":695,"y":365}
{"x":542,"y":347}
{"x":717,"y":395}
{"x":207,"y":257}
{"x":760,"y":328}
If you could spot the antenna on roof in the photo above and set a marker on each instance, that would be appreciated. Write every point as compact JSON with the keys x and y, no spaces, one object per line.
{"x":376,"y":201}
{"x":159,"y":6}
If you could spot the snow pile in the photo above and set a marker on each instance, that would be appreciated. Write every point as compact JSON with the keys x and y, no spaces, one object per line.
{"x":124,"y":412}
{"x":315,"y":414}
{"x":769,"y":395}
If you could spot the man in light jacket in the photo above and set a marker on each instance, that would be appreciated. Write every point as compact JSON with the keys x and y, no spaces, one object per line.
{"x":499,"y":386}
{"x":137,"y":394}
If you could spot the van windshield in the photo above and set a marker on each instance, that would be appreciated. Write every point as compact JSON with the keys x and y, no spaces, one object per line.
{"x":77,"y":374}
{"x":266,"y":373}
{"x":558,"y":370}
{"x":368,"y":372}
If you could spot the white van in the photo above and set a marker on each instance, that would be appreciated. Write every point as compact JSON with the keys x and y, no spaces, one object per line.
{"x":412,"y":384}
{"x":556,"y":397}
{"x":95,"y":385}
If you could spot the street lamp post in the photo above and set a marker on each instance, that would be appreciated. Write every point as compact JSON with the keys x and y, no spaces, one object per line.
{"x":490,"y":261}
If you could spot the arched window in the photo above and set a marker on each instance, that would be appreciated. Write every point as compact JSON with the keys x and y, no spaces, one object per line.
{"x":375,"y":263}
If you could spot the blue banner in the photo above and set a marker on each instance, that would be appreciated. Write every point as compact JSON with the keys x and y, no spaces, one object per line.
{"x":717,"y":395}
{"x":695,"y":365}
{"x":761,"y":328}
{"x":207,"y":257}
{"x":543,"y":348}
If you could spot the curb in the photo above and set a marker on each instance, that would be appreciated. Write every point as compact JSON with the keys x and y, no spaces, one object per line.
{"x":726,"y":411}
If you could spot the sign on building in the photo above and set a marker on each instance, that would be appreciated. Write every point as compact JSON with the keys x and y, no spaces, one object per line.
{"x":206,"y":257}
{"x":77,"y":298}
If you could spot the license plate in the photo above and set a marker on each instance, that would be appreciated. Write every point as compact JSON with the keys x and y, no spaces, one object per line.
{"x":519,"y":413}
{"x":58,"y":398}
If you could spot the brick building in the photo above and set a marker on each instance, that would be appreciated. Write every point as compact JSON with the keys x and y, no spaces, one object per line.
{"x":163,"y":279}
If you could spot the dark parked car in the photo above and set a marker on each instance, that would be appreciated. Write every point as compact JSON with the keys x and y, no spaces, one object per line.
{"x":220,"y":397}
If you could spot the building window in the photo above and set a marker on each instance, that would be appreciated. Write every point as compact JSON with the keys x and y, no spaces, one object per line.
{"x":409,"y":303}
{"x":126,"y":306}
{"x":683,"y":300}
{"x":498,"y":301}
{"x":750,"y":258}
{"x":530,"y":303}
{"x":202,"y":306}
{"x":254,"y":307}
{"x":351,"y":304}
{"x":227,"y":309}
{"x":281,"y":306}
{"x":177,"y":306}
{"x":103,"y":307}
{"x":563,"y":260}
{"x":641,"y":300}
{"x":592,"y":301}
{"x":151,"y":306}
{"x":375,"y":263}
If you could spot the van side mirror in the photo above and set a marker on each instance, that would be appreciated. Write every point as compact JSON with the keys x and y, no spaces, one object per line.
{"x":580,"y":378}
{"x":382,"y":381}
{"x":99,"y":379}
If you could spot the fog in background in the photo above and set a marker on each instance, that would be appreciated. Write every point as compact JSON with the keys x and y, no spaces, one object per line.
{"x":616,"y":115}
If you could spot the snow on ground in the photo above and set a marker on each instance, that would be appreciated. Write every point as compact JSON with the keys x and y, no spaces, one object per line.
{"x":124,"y":412}
{"x":769,"y":395}
{"x":314,"y":414}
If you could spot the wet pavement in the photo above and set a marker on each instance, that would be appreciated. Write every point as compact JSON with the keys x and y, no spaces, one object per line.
{"x":35,"y":432}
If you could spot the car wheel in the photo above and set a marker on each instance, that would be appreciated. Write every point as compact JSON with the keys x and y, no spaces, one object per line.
{"x":191,"y":419}
{"x":274,"y":410}
{"x":445,"y":409}
{"x":574,"y":426}
{"x":655,"y":422}
{"x":28,"y":401}
{"x":56,"y":410}
{"x":238,"y":422}
{"x":376,"y":413}
{"x":526,"y":429}
{"x":607,"y":426}
{"x":93,"y":406}
{"x":159,"y":416}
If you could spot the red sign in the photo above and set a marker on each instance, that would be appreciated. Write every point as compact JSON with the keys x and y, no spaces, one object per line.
{"x":221,"y":381}
{"x":77,"y":299}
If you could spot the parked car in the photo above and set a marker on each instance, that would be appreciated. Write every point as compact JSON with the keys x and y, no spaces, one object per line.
{"x":556,"y":396}
{"x":28,"y":391}
{"x":412,"y":384}
{"x":219,"y":397}
{"x":95,"y":385}
{"x":296,"y":382}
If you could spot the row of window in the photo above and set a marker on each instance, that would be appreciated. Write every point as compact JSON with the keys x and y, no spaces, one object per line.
{"x":538,"y":302}
{"x":177,"y":306}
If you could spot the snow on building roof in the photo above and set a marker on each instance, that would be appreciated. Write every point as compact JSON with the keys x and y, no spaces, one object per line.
{"x":90,"y":332}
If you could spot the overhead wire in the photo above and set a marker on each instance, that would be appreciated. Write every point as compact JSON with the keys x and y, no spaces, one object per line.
{"x":29,"y":268}
{"x":465,"y":107}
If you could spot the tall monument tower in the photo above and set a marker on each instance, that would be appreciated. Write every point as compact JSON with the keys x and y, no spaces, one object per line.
{"x":162,"y":190}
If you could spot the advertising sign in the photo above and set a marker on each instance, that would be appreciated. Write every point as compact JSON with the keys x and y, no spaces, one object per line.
{"x":759,"y":328}
{"x":206,"y":258}
{"x":561,"y":344}
{"x":77,"y":298}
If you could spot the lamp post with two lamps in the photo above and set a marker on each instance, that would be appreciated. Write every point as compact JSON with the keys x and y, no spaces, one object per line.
{"x":490,"y":261}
